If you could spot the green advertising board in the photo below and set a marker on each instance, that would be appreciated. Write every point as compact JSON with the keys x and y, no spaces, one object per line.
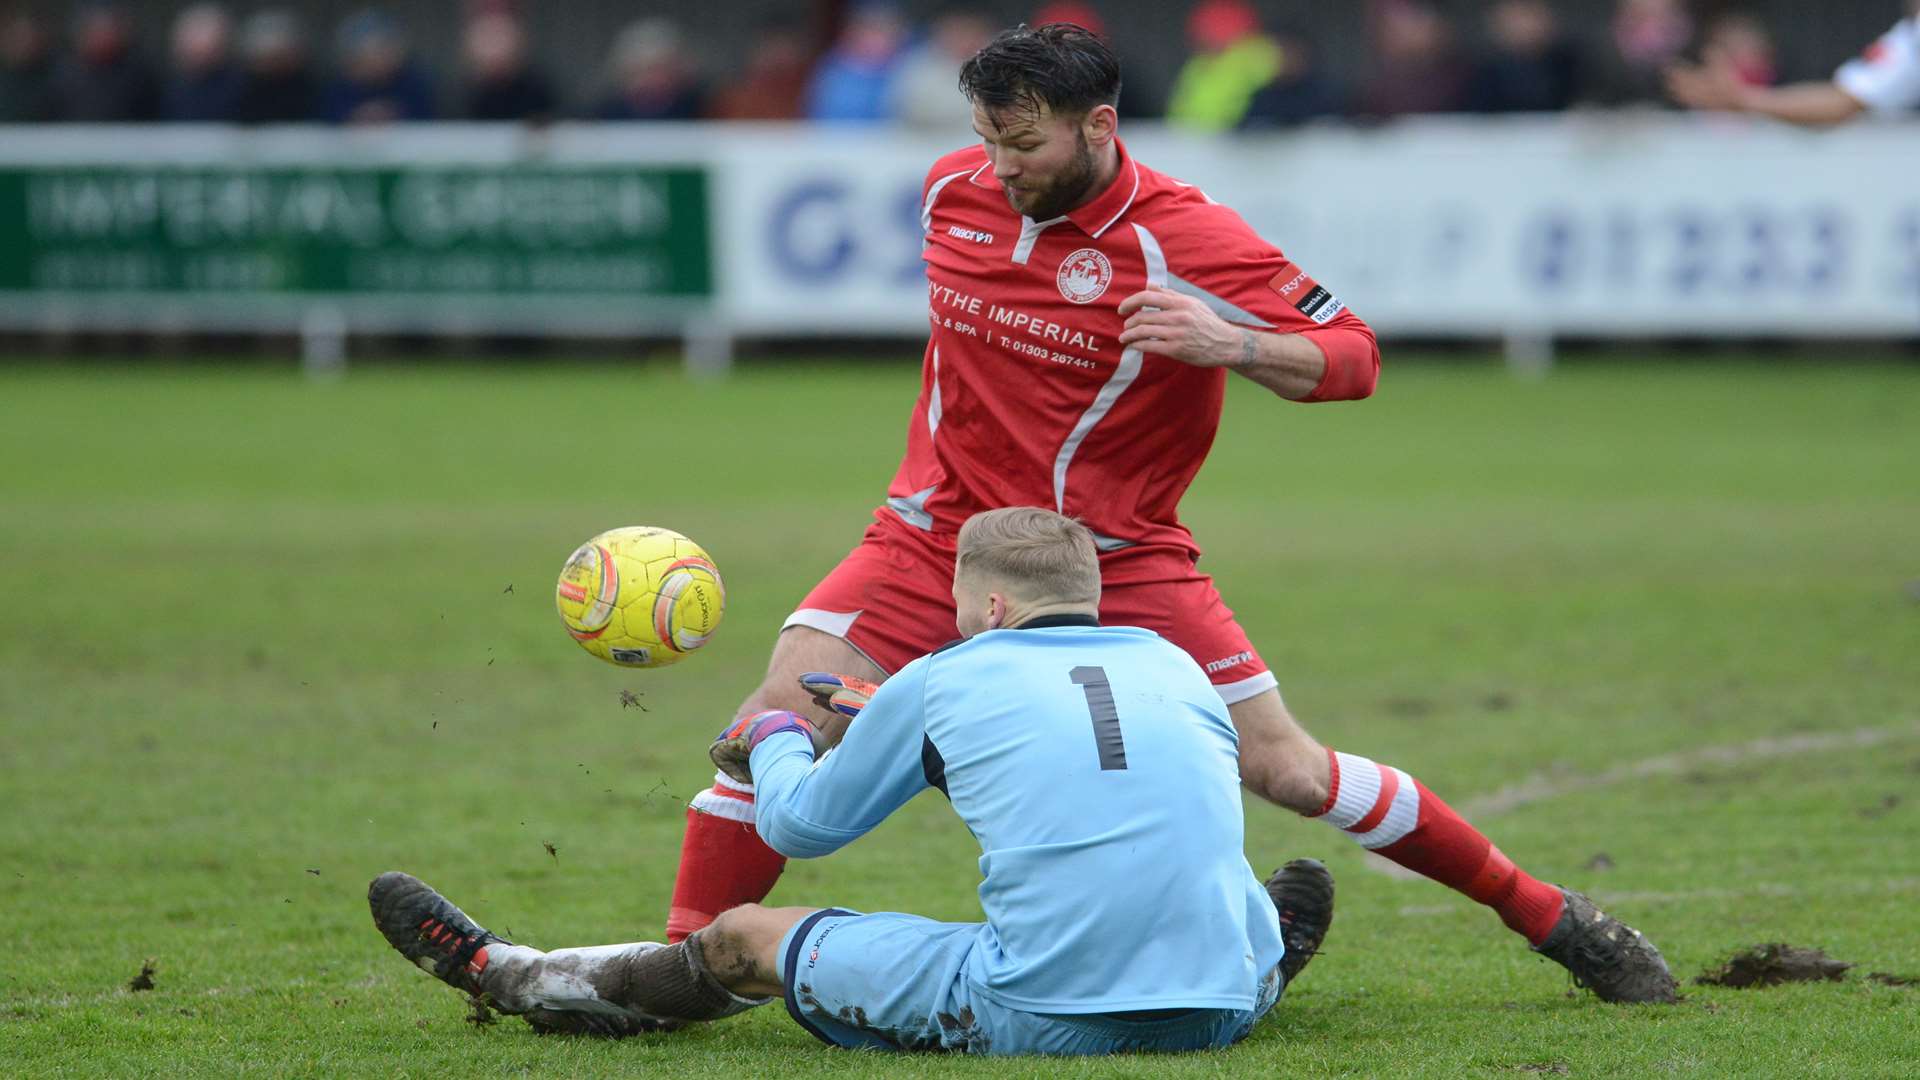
{"x":540,"y":234}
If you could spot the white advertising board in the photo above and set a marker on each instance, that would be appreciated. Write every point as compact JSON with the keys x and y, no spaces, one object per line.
{"x":1591,"y":224}
{"x":1603,"y":225}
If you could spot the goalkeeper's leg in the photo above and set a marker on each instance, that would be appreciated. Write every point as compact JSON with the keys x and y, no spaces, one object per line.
{"x":723,"y":862}
{"x":610,"y":990}
{"x":726,"y":968}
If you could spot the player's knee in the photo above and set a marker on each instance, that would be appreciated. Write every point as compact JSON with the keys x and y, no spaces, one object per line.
{"x":779,"y":690}
{"x":1286,"y":773}
{"x":735,"y":920}
{"x":1279,"y":761}
{"x":771,"y":696}
{"x":732,"y":933}
{"x":801,"y":649}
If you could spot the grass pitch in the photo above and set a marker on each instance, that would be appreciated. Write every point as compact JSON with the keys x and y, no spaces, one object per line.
{"x":1656,"y":627}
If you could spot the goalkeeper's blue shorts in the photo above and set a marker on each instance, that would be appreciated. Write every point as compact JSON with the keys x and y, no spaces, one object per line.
{"x":888,"y":981}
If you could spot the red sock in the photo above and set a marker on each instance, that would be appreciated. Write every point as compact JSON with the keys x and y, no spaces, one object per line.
{"x":723,"y":862}
{"x":1393,"y":814}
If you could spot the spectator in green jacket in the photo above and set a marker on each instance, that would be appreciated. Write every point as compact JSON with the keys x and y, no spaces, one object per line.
{"x":1232,"y":59}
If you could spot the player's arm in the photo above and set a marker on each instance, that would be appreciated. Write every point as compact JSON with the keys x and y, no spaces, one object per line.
{"x":1232,"y":300}
{"x":807,"y":805}
{"x":1293,"y":365}
{"x":1884,"y":80}
{"x":1715,"y":85}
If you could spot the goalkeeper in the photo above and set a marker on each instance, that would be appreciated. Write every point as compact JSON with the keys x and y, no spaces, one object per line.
{"x":1099,"y":771}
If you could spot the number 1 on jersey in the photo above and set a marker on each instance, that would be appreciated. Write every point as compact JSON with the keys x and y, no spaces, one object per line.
{"x":1106,"y":716}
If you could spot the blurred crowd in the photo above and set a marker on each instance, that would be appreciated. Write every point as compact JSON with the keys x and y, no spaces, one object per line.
{"x":876,"y":66}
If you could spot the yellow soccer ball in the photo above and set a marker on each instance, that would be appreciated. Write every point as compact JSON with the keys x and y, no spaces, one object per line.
{"x":640,"y":596}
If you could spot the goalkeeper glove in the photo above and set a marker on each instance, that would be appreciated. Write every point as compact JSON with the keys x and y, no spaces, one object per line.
{"x":843,"y":694}
{"x":732,"y":752}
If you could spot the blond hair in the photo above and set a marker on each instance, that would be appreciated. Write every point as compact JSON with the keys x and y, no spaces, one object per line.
{"x":1039,"y":556}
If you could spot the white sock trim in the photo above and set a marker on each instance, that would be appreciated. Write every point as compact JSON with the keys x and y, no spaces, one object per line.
{"x":711,"y":802}
{"x":1358,"y":790}
{"x":1361,"y":785}
{"x":1401,"y":817}
{"x":727,"y":783}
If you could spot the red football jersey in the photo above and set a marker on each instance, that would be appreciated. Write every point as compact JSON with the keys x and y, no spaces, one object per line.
{"x":1027,"y":397}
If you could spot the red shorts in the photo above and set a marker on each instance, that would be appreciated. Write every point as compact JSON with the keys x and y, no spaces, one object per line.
{"x":892,"y":599}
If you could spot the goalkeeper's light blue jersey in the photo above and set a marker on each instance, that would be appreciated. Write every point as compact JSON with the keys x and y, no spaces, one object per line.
{"x":1099,"y":771}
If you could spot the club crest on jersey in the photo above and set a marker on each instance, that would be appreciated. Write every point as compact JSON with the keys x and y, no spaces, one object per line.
{"x":1084,"y":275}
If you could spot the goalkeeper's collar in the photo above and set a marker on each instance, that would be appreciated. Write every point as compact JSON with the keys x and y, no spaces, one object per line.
{"x":1044,"y":621}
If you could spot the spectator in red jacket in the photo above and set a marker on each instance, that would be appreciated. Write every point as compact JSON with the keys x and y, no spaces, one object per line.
{"x":775,"y":79}
{"x":105,"y":80}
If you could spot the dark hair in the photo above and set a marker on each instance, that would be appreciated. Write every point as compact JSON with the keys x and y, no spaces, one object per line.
{"x":1061,"y":65}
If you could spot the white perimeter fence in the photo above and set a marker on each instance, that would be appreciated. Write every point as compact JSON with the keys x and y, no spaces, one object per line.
{"x":1524,"y":230}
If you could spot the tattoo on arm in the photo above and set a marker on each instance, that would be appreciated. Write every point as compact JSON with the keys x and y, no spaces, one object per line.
{"x":1249,"y":352}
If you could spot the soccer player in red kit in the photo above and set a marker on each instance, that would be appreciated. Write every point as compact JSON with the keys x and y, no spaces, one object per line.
{"x":1085,"y":312}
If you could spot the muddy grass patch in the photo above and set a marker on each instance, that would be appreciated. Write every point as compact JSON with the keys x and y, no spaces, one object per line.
{"x":1772,"y":964}
{"x":144,"y":980}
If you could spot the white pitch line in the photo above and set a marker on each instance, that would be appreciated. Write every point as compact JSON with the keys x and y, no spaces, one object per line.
{"x":1763,"y":888}
{"x":1542,"y":786}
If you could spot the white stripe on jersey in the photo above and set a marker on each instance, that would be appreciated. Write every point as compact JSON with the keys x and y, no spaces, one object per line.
{"x":1888,"y":79}
{"x":1224,"y":308}
{"x":1123,"y":375}
{"x":1030,"y":231}
{"x":933,"y":399}
{"x":926,"y":211}
{"x":1125,"y":205}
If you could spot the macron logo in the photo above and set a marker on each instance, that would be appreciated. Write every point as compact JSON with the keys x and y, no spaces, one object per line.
{"x":974,"y":235}
{"x":1226,"y":662}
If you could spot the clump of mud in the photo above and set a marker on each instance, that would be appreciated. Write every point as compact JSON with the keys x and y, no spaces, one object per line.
{"x":144,"y":980}
{"x":1772,"y":964}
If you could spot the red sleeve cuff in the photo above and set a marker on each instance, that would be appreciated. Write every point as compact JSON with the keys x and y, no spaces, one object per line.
{"x":1353,"y":364}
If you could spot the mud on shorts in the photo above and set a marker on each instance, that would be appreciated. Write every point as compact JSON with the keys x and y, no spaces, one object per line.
{"x":892,"y":599}
{"x":888,"y":981}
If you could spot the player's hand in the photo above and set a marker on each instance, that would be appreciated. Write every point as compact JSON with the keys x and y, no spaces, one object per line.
{"x":732,"y":752}
{"x":1171,"y":324}
{"x":1714,"y":84}
{"x":843,"y":694}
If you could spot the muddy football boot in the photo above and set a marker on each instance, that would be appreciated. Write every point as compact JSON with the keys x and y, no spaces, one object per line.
{"x":598,"y":1025}
{"x":580,"y":991}
{"x":1302,"y":891}
{"x":429,"y":931}
{"x":1607,"y":956}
